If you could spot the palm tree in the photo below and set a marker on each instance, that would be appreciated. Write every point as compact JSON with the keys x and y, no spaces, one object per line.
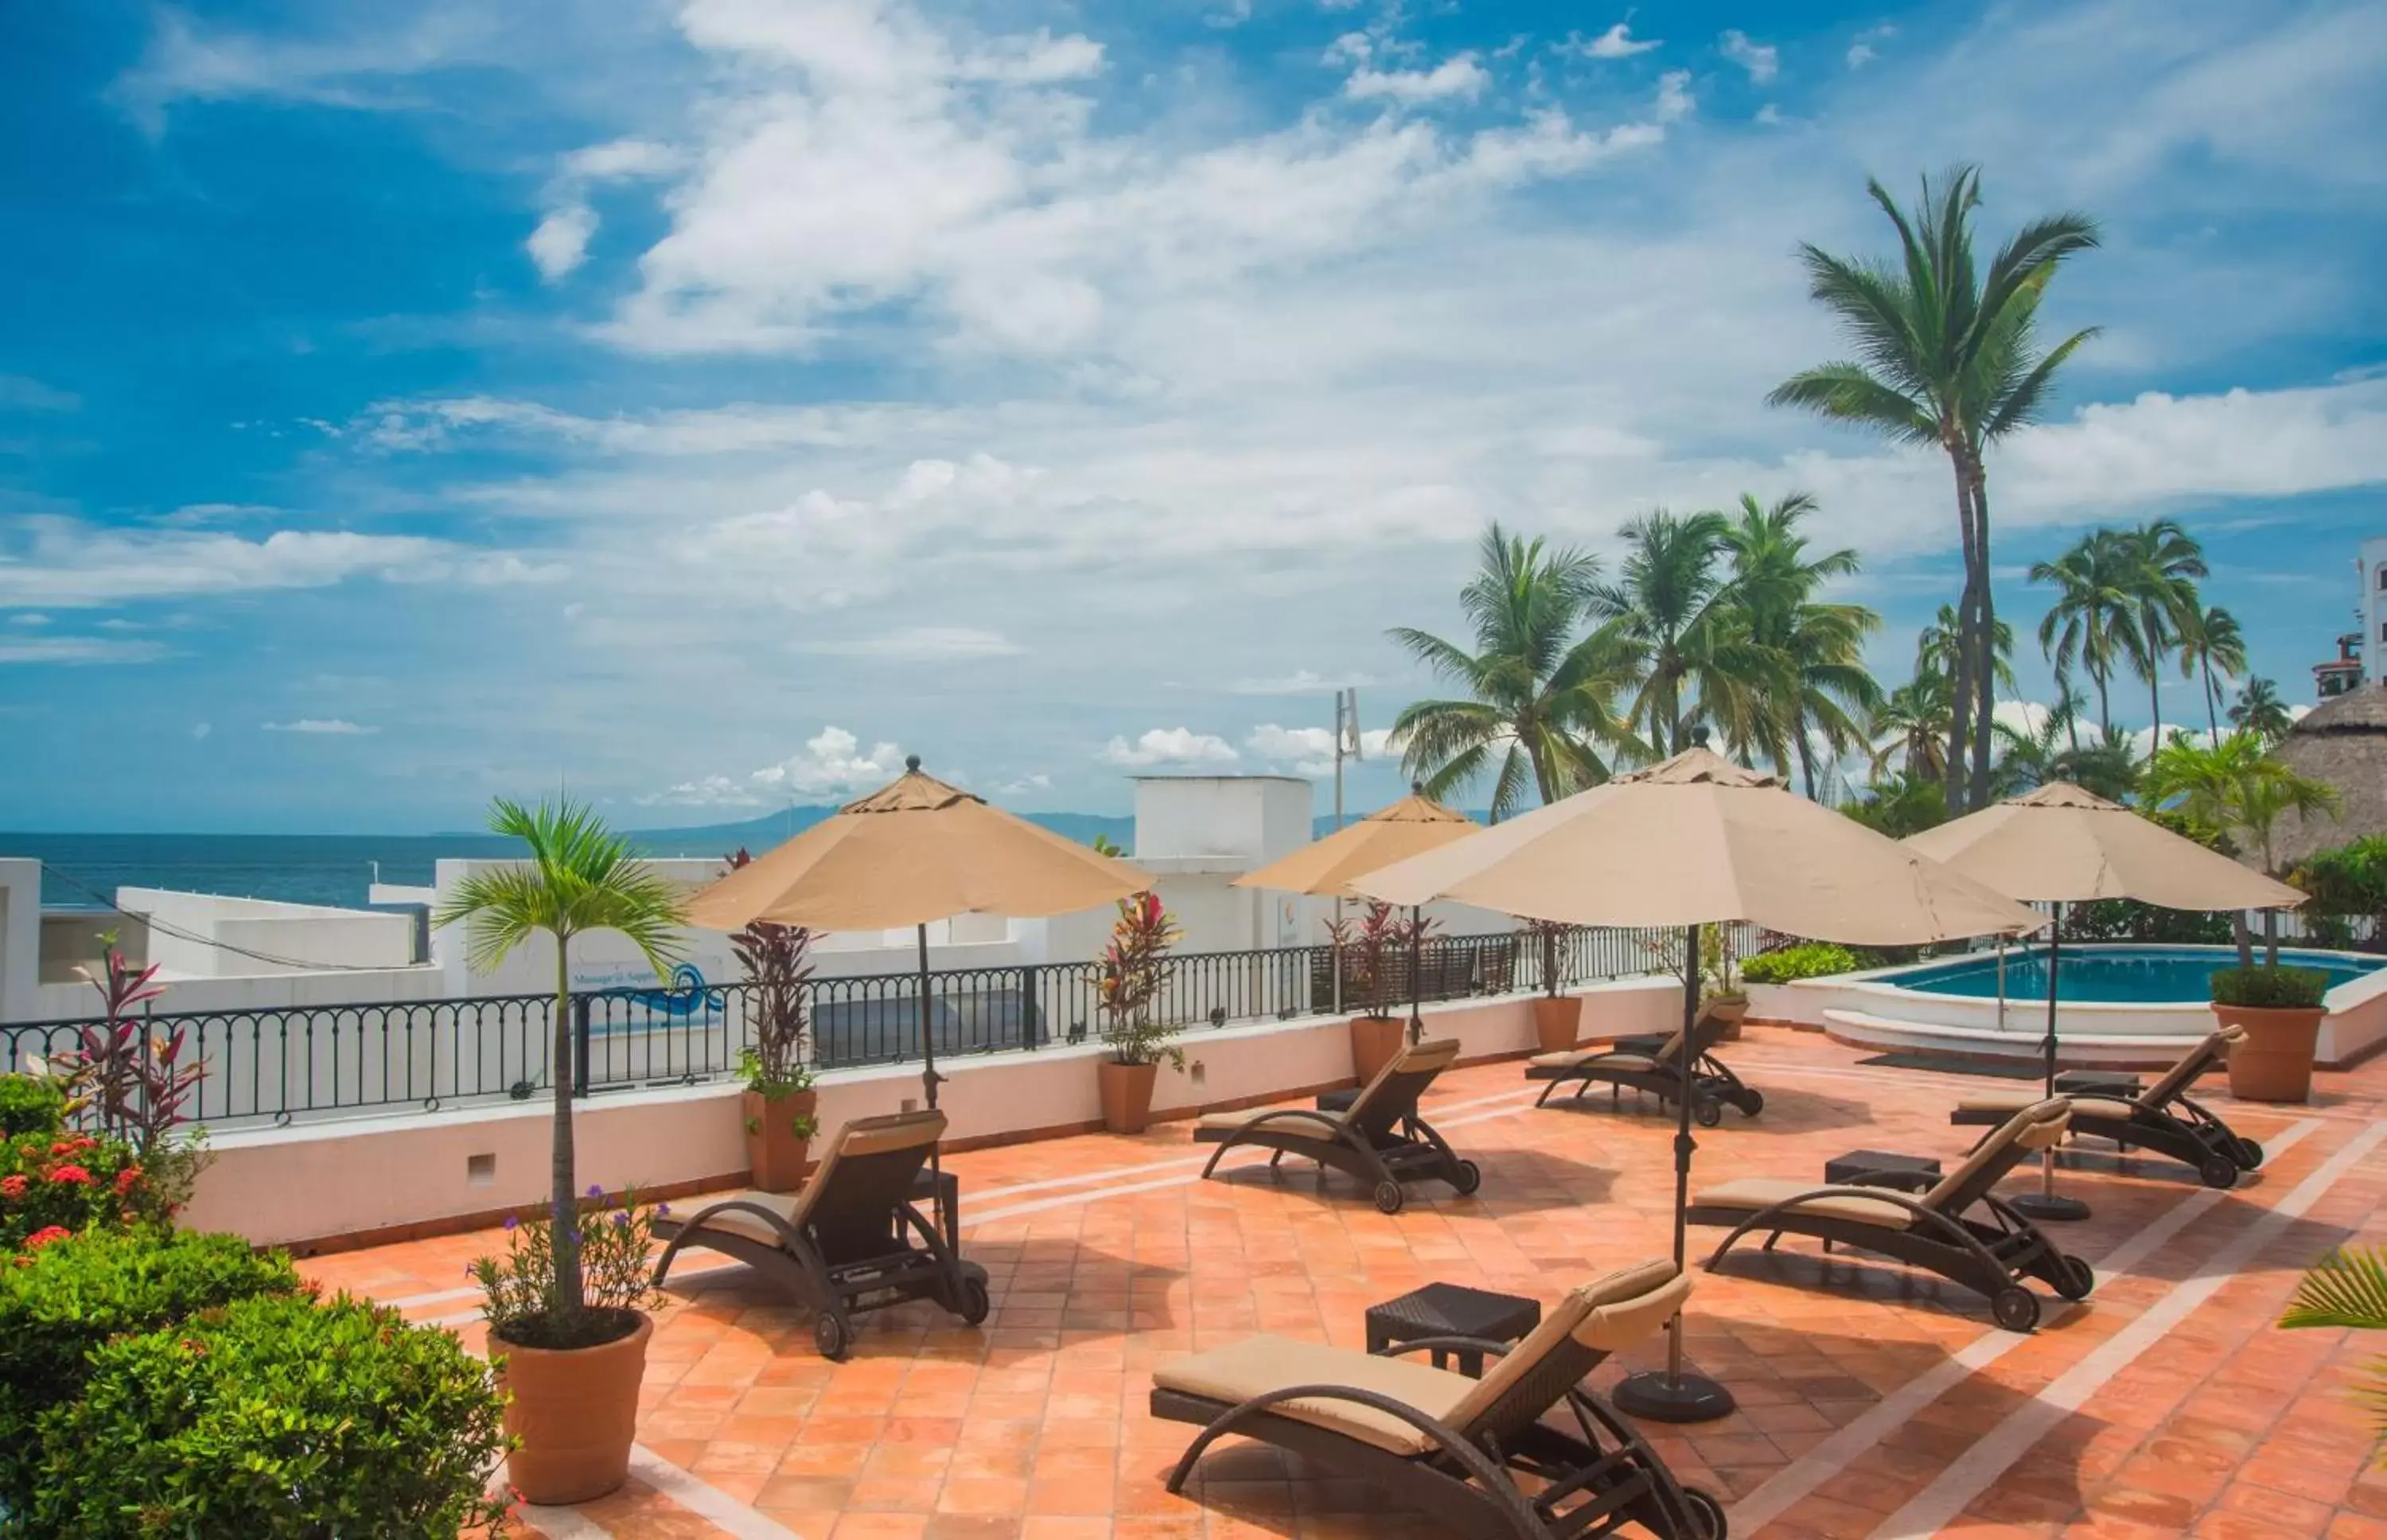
{"x":1677,"y":616}
{"x":1946,"y":356}
{"x":2215,"y":647}
{"x":2237,"y":786}
{"x":2166,"y":562}
{"x":2034,"y":756}
{"x":2259,"y":710}
{"x":2348,"y":1288}
{"x":1821,"y":645}
{"x":581,"y":876}
{"x":1539,"y":697}
{"x":1934,"y":648}
{"x":1911,"y":726}
{"x":2094,"y":621}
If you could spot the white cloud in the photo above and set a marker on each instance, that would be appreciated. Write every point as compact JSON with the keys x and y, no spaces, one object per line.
{"x":1768,"y":114}
{"x":1762,"y":60}
{"x":78,"y":649}
{"x":561,"y":242}
{"x":1618,"y":42}
{"x":708,"y":791}
{"x":832,"y":760}
{"x":1168,"y":746}
{"x":30,"y":617}
{"x":920,"y":644}
{"x":1458,"y":76}
{"x":201,"y":729}
{"x":1861,"y":51}
{"x":67,"y":565}
{"x":1310,"y":751}
{"x":1301,"y":681}
{"x":1674,"y":99}
{"x":1023,"y":785}
{"x":23,"y":393}
{"x":332,"y":727}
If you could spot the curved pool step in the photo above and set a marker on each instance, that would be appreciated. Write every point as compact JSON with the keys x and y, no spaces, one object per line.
{"x":2074,"y":1050}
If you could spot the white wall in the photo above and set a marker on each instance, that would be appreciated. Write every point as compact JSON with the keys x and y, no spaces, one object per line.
{"x":322,"y":938}
{"x":21,"y":937}
{"x":1256,"y":818}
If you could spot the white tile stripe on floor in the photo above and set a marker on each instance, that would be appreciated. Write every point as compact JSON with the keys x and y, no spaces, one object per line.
{"x":1971,"y":1473}
{"x":696,"y":1496}
{"x":1828,"y":1460}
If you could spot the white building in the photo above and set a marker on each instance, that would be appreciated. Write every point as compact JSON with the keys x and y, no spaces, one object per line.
{"x":2371,"y":565}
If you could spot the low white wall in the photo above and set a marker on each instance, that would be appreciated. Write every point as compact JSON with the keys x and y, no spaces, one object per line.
{"x":309,"y":934}
{"x":326,"y":1179}
{"x":2357,"y":1023}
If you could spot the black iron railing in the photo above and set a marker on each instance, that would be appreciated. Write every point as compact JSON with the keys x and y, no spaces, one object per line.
{"x":280,"y":1064}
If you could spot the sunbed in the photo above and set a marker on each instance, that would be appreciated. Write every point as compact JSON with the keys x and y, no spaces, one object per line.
{"x":1452,"y":1447}
{"x":1653,"y":1066}
{"x":2161,"y":1118}
{"x":1379,"y":1139}
{"x":851,"y":1240}
{"x":1959,"y":1230}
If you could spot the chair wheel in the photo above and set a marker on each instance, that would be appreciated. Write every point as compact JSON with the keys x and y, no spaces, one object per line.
{"x":2250,"y":1155}
{"x":2078,"y":1278}
{"x":975,"y":1305}
{"x":1752,"y":1103}
{"x":1706,"y":1514}
{"x":1469,"y":1177}
{"x":1388,"y":1197}
{"x":2015,"y":1309}
{"x":1706,"y":1112}
{"x":2217,"y":1171}
{"x":831,"y":1335}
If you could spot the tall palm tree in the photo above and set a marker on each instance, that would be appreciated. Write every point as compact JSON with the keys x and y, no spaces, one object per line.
{"x":1821,"y":645}
{"x":1934,"y":648}
{"x":2214,"y":647}
{"x":1911,"y":726}
{"x":2094,"y":622}
{"x":2166,"y":562}
{"x":1538,"y":696}
{"x":2259,"y":710}
{"x":1946,"y":355}
{"x":1676,"y":614}
{"x":2237,"y":786}
{"x":581,"y":876}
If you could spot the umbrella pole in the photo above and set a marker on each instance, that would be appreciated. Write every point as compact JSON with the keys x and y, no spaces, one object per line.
{"x":928,"y":1077}
{"x":2047,"y":1203}
{"x":1669,"y":1395}
{"x":1417,"y":986}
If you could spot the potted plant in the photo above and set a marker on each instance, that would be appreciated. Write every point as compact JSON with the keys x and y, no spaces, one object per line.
{"x":779,"y":1106}
{"x":1558,"y":1017}
{"x":1720,"y":992}
{"x":570,"y":1358}
{"x":1367,"y":947}
{"x":1127,"y":981}
{"x":2281,"y":1011}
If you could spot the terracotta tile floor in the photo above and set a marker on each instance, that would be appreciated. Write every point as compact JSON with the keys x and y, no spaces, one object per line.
{"x":1872,"y":1401}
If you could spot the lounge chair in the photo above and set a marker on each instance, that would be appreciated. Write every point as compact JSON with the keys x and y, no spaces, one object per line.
{"x":1452,"y":1446}
{"x":851,"y":1240}
{"x":1939,"y":1231}
{"x":2161,"y":1118}
{"x":1651,"y":1065}
{"x":1381,"y":1140}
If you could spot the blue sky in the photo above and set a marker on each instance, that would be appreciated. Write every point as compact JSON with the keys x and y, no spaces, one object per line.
{"x":702,"y":404}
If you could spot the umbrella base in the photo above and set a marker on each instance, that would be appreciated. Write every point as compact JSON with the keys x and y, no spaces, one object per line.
{"x":1655,"y":1395}
{"x":2049,"y":1206}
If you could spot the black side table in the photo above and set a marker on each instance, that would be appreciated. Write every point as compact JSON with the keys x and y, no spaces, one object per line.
{"x":1881,"y":1168}
{"x":1451,"y":1311}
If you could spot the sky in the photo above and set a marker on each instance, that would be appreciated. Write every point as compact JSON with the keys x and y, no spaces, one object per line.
{"x":700,"y":406}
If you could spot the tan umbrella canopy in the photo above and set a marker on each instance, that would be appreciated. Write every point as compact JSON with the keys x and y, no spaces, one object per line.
{"x":1411,"y":826}
{"x":1698,"y":838}
{"x":1691,"y":840}
{"x":914,"y":850}
{"x":2060,"y":844}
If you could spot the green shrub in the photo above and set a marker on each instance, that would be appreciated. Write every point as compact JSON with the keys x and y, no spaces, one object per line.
{"x":2129,"y":920}
{"x":30,"y":1103}
{"x":2269,"y":988}
{"x":1809,"y":960}
{"x":274,"y":1418}
{"x":61,"y":1302}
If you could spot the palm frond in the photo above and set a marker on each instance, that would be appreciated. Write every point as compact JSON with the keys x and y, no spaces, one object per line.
{"x":2345,"y":1288}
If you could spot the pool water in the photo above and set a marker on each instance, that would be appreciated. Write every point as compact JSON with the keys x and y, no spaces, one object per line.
{"x":2136,"y":975}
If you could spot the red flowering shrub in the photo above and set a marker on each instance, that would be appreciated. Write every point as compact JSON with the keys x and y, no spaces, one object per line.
{"x":68,"y":1182}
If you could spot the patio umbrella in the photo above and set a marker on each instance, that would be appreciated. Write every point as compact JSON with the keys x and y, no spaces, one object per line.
{"x":914,"y":850}
{"x":2062,"y":845}
{"x":1692,"y":840}
{"x":1325,"y":867}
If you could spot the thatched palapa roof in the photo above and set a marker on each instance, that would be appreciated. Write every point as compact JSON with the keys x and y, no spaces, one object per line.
{"x":2342,"y":741}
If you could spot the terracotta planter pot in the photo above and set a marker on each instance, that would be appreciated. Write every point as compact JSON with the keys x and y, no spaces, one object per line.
{"x":775,"y":1153}
{"x":1557,"y":1024}
{"x":2275,"y":1062}
{"x":1375,"y":1042}
{"x":1731,"y":1013}
{"x":575,"y":1412}
{"x":1127,"y":1094}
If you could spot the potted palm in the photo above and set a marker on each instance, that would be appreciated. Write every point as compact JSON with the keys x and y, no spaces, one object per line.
{"x":1720,"y":992}
{"x":779,"y":1106}
{"x":570,"y":1357}
{"x":1366,"y":948}
{"x":1558,"y":1017}
{"x":1127,"y":983}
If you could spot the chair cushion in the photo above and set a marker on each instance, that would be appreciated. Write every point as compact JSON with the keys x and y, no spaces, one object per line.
{"x":1576,"y":1058}
{"x":1257,"y":1365}
{"x":1752,"y":1194}
{"x":1293,"y":1127}
{"x":2006,"y":1104}
{"x":2106,"y":1107}
{"x":750,"y":1227}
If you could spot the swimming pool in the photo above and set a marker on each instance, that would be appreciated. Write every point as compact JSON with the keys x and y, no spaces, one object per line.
{"x":2122,"y":974}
